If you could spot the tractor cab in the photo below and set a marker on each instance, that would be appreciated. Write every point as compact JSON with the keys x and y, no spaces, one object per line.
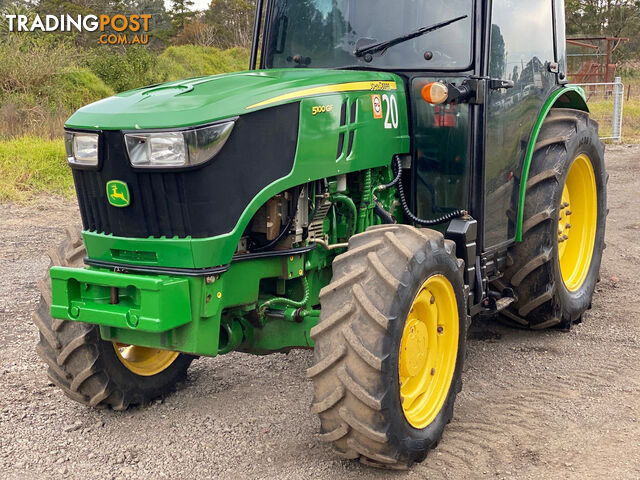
{"x":475,"y":144}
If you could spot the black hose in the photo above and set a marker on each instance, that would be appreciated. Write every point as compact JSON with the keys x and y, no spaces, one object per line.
{"x":383,"y":214}
{"x":395,"y":181}
{"x":409,"y":213}
{"x":276,"y":240}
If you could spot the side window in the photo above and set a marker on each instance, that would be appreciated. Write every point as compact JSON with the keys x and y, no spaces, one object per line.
{"x":521,"y":47}
{"x":441,"y":139}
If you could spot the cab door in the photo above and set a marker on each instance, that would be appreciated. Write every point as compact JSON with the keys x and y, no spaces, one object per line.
{"x":521,"y":49}
{"x":441,"y":152}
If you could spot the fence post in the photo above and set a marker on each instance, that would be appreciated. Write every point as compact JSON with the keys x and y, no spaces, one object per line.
{"x":618,"y":98}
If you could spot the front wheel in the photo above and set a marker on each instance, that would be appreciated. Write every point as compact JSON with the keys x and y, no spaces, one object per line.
{"x":555,"y":268}
{"x":94,"y":371}
{"x":389,"y":346}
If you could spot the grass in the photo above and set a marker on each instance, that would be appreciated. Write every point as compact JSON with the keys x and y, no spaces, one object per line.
{"x":601,"y":109}
{"x":42,"y":111}
{"x":602,"y":112}
{"x":30,"y":166}
{"x":631,"y":118}
{"x":41,"y":87}
{"x":192,"y":61}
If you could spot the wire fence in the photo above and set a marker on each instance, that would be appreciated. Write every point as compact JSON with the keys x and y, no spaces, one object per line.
{"x":606,"y":105}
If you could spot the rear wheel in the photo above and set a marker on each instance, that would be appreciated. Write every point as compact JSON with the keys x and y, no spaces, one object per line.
{"x":555,"y":268}
{"x":93,"y":371}
{"x":389,"y":346}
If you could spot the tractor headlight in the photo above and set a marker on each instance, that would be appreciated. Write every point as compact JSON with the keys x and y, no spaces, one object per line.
{"x":177,"y":149}
{"x":82,"y":148}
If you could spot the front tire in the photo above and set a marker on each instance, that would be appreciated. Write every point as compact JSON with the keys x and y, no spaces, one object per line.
{"x":389,"y":346}
{"x":554,"y":270}
{"x":93,"y":371}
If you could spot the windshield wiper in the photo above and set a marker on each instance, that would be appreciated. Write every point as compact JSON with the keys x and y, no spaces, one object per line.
{"x":382,"y":46}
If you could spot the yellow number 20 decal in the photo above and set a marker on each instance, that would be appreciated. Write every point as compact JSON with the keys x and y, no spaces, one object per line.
{"x":392,"y":118}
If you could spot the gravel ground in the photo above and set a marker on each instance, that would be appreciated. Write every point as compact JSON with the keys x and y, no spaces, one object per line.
{"x":534,"y":405}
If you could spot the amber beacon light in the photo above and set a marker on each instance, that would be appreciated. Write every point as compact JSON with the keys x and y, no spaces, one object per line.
{"x":435,"y":93}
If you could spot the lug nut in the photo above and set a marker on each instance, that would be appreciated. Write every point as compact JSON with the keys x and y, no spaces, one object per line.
{"x":440,"y":329}
{"x":565,"y":237}
{"x":433,"y":371}
{"x":568,"y":212}
{"x":568,"y":225}
{"x":565,"y":205}
{"x":432,"y":300}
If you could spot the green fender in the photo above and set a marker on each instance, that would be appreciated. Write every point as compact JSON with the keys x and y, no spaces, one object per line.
{"x":570,"y":96}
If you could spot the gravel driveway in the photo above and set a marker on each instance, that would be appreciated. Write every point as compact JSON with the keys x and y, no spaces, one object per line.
{"x":534,"y":405}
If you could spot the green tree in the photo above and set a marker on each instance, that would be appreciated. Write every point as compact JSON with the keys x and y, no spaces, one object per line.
{"x":231,"y":22}
{"x":181,"y":13}
{"x":498,"y":57}
{"x":160,"y":25}
{"x":616,"y":18}
{"x":610,"y":17}
{"x":14,"y":8}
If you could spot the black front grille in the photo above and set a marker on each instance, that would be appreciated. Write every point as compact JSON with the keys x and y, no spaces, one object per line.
{"x":157,"y":205}
{"x":199,"y":202}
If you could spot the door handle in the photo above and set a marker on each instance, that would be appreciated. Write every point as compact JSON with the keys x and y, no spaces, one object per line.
{"x":498,"y":84}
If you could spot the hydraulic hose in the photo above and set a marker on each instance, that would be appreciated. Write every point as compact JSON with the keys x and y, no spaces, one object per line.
{"x":379,"y":209}
{"x":341,"y":198}
{"x":276,"y":240}
{"x":405,"y":207}
{"x":383,"y":214}
{"x":393,"y":183}
{"x":283,"y":233}
{"x":287,"y":302}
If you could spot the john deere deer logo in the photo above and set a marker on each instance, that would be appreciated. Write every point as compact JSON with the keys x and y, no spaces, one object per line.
{"x":118,"y":194}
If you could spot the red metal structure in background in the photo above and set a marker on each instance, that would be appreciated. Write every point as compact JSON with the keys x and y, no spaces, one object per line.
{"x":590,"y":58}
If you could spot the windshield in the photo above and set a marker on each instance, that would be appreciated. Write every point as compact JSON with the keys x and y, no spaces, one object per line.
{"x":325,"y":34}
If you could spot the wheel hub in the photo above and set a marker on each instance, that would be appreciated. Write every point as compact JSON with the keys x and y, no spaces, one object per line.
{"x":428,"y":351}
{"x":577,"y":223}
{"x":144,"y":361}
{"x":414,"y":348}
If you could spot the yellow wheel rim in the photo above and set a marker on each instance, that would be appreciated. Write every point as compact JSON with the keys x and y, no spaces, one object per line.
{"x":428,"y":351}
{"x":144,"y":361}
{"x":577,"y":223}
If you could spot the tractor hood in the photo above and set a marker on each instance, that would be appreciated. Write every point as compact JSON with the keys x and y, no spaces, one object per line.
{"x":204,"y":100}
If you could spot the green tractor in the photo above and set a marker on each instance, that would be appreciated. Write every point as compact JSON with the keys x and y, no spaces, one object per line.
{"x":379,"y":178}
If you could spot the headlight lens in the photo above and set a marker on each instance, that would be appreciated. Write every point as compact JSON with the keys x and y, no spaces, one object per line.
{"x":82,"y":148}
{"x":157,"y":149}
{"x":177,"y":149}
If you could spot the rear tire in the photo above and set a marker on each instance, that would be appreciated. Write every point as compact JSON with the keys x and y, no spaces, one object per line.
{"x":357,"y":358}
{"x":84,"y":366}
{"x":544,"y":298}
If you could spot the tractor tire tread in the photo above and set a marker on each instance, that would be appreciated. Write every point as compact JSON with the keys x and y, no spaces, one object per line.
{"x":349,"y":342}
{"x":531,"y":263}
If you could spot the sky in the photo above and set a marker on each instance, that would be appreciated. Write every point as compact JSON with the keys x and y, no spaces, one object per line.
{"x":199,"y":4}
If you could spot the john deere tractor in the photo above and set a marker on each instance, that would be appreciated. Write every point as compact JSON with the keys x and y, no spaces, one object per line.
{"x":384,"y":174}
